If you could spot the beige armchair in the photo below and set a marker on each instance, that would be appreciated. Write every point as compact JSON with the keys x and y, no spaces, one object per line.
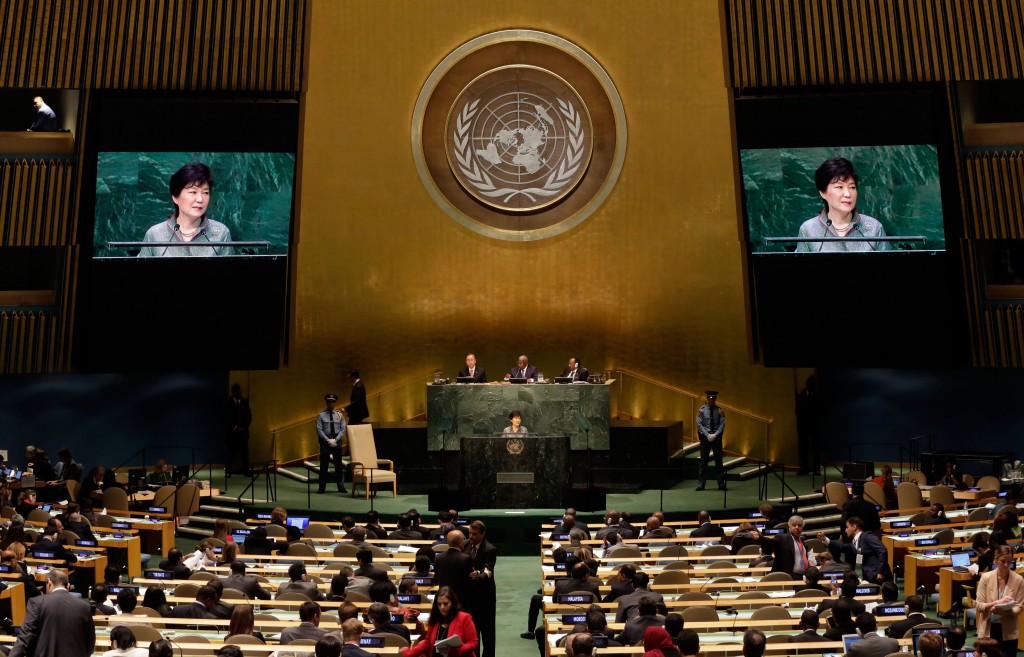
{"x":366,"y":467}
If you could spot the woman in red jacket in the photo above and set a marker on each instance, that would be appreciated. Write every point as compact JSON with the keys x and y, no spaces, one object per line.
{"x":446,"y":621}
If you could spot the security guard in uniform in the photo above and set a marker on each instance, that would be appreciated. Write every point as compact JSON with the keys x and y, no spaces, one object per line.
{"x":331,"y":433}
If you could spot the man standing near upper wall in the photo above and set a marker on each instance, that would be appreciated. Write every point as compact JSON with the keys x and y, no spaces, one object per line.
{"x":357,"y":409}
{"x":46,"y":119}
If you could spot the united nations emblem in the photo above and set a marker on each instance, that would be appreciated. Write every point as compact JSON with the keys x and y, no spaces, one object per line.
{"x":507,"y":146}
{"x":514,"y":446}
{"x":519,"y":138}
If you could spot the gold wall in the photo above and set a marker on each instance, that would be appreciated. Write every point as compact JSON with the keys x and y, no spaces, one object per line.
{"x":385,"y":281}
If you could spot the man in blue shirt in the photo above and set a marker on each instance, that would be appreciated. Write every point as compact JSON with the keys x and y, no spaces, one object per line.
{"x":330,"y":433}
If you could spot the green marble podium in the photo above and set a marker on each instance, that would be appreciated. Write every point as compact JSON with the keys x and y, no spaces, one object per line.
{"x":481,"y":409}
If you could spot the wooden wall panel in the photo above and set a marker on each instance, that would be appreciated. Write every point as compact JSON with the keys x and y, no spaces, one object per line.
{"x":813,"y":42}
{"x":995,"y":194}
{"x":26,"y":342}
{"x":35,"y":202}
{"x":222,"y":45}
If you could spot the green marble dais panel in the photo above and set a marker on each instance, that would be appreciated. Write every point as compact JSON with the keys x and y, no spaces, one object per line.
{"x":549,"y":410}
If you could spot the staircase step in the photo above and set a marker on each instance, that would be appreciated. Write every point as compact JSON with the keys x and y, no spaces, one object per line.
{"x":752,"y":472}
{"x":207,"y":520}
{"x":195,"y":531}
{"x":293,"y":475}
{"x":823,"y":520}
{"x":678,"y":454}
{"x":806,"y":510}
{"x":221,"y":510}
{"x":691,"y":447}
{"x":228,"y":499}
{"x":803,"y":498}
{"x":728,"y":464}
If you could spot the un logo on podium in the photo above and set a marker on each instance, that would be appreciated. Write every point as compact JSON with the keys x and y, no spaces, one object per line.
{"x":507,"y":146}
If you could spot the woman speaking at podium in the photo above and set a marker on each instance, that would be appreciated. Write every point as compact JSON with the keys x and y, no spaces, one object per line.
{"x":837,"y":184}
{"x":516,"y":426}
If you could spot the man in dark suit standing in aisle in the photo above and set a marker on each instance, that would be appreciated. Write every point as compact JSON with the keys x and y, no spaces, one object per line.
{"x":237,"y":418}
{"x":575,"y":370}
{"x":357,"y":409}
{"x":57,"y":623}
{"x":523,"y":370}
{"x":483,"y":597}
{"x":478,"y":373}
{"x":858,"y":507}
{"x":453,"y":568}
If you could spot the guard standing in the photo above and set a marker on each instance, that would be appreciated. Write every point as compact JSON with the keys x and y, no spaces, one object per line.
{"x":331,"y":433}
{"x":710,"y":426}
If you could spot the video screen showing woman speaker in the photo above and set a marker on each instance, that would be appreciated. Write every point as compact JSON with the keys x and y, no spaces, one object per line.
{"x":172,"y":204}
{"x":852,"y":199}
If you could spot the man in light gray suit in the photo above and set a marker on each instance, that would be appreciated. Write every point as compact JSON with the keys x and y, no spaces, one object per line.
{"x":871,"y":643}
{"x":297,"y":583}
{"x":248,"y":585}
{"x":309,"y":628}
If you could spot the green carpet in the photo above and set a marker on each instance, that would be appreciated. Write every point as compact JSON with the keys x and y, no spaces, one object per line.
{"x":679,"y":503}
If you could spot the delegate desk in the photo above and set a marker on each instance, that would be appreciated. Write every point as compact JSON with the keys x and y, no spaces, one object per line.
{"x":548,"y":409}
{"x":15,"y":595}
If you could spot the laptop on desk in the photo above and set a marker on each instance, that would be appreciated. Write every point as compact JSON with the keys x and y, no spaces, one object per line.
{"x":464,"y":379}
{"x":960,"y":561}
{"x":517,"y":380}
{"x":563,"y":379}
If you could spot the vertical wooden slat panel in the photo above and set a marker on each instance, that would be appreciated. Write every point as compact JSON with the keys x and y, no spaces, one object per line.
{"x":5,"y":341}
{"x":804,"y":42}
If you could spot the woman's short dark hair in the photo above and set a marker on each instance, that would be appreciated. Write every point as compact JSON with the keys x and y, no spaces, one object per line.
{"x":195,"y":174}
{"x":122,"y":637}
{"x":833,"y":169}
{"x":515,"y":414}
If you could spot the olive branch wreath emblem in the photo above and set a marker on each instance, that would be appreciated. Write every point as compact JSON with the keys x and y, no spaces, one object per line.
{"x":478,"y":177}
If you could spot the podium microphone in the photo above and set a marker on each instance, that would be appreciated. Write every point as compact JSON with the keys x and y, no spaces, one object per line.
{"x":828,"y":226}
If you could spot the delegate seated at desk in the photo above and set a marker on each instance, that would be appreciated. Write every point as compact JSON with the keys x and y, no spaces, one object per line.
{"x":162,"y":476}
{"x":576,"y":371}
{"x":523,"y":370}
{"x":471,"y":370}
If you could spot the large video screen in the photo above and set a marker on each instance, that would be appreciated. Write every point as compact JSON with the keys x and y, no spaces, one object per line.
{"x":251,"y":197}
{"x":898,"y":187}
{"x":186,"y":209}
{"x":857,"y":266}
